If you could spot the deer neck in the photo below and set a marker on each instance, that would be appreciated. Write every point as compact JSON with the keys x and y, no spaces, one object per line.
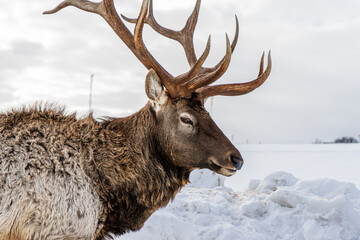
{"x":139,"y":172}
{"x":141,"y":133}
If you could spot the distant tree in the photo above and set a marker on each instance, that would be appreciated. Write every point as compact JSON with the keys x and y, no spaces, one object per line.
{"x":346,"y":140}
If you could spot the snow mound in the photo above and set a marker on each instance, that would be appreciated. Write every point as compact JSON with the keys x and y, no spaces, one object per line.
{"x":278,"y":207}
{"x":205,"y":178}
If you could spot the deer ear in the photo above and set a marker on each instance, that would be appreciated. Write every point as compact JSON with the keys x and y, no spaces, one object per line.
{"x":154,"y":88}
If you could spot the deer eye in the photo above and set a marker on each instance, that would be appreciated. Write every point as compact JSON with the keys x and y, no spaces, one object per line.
{"x":186,"y":120}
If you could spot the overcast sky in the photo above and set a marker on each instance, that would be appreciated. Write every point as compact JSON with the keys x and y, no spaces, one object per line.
{"x":312,"y":92}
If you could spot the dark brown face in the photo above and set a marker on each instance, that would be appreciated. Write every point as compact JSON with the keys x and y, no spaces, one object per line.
{"x":193,"y":140}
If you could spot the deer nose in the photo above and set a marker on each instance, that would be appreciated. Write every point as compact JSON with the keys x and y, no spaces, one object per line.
{"x":237,"y":163}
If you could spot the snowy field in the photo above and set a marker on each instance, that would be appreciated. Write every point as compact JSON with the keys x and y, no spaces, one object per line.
{"x":283,"y":192}
{"x":308,"y":161}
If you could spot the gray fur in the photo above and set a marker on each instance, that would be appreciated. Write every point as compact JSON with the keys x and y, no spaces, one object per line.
{"x":41,"y":178}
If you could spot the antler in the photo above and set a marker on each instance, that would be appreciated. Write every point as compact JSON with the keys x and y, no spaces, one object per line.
{"x":106,"y":9}
{"x":198,"y":77}
{"x":240,"y":88}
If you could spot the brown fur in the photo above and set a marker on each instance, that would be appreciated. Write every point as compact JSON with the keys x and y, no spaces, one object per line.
{"x":128,"y":170}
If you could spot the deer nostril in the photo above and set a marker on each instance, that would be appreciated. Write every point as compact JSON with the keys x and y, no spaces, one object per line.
{"x":236,"y":162}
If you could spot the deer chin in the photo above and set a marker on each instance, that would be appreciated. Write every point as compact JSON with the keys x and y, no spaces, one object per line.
{"x":225,"y":171}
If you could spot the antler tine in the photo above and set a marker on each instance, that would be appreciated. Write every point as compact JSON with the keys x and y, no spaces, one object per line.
{"x":81,"y":4}
{"x":236,"y":36}
{"x":233,"y":45}
{"x":198,"y":64}
{"x":261,"y":70}
{"x":188,"y":34}
{"x":236,"y":89}
{"x":208,"y":78}
{"x":184,"y":36}
{"x":140,"y":25}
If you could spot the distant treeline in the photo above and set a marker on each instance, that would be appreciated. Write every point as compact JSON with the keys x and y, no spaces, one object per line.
{"x":338,"y":140}
{"x":346,"y":140}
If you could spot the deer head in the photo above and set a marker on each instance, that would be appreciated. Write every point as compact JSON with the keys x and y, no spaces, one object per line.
{"x":185,"y":130}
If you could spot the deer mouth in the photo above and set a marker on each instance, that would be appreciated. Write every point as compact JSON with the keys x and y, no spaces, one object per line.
{"x":225,"y":171}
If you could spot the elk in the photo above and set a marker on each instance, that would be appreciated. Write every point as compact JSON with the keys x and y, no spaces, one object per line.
{"x":68,"y":178}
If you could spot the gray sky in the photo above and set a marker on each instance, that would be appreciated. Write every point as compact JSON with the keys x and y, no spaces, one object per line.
{"x":312,"y":92}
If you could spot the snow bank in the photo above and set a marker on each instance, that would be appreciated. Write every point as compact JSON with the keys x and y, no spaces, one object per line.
{"x":278,"y":207}
{"x":205,"y":178}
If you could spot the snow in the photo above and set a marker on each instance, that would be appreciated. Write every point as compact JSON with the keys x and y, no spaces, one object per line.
{"x":275,"y":206}
{"x":206,"y":179}
{"x":306,"y":161}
